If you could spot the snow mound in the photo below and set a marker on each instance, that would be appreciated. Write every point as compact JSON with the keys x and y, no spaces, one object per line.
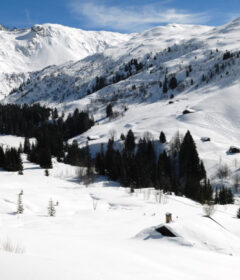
{"x":202,"y":232}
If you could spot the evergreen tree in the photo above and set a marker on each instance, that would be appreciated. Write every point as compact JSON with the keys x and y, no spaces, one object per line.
{"x":13,"y":161}
{"x":238,"y":213}
{"x":54,"y":114}
{"x":164,"y":172}
{"x":216,"y":199}
{"x":190,"y":168}
{"x":165,"y":85}
{"x":109,"y":111}
{"x":2,"y":158}
{"x":230,"y":198}
{"x":122,"y":137}
{"x":225,"y":196}
{"x":26,"y":146}
{"x":44,"y":158}
{"x":189,"y":162}
{"x":51,"y":209}
{"x":20,"y":208}
{"x":206,"y":193}
{"x":162,"y":138}
{"x":173,"y":83}
{"x":100,"y":162}
{"x":90,"y":173}
{"x":130,"y":141}
{"x":72,"y":156}
{"x":144,"y":162}
{"x":20,"y":149}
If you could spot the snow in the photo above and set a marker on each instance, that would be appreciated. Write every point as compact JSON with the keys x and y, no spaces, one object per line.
{"x":117,"y":239}
{"x":27,"y":50}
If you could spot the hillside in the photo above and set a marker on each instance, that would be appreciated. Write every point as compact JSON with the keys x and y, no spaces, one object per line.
{"x":27,"y":50}
{"x":113,"y":239}
{"x":133,"y":78}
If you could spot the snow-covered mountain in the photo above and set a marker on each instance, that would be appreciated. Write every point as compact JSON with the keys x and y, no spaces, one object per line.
{"x":27,"y":50}
{"x":145,"y":58}
{"x":72,"y":80}
{"x":137,"y":75}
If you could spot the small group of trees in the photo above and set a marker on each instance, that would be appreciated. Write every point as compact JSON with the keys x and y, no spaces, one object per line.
{"x":44,"y":124}
{"x":10,"y":160}
{"x":50,"y":131}
{"x":147,"y":164}
{"x":224,"y":196}
{"x":51,"y":206}
{"x":171,"y":83}
{"x":227,"y":55}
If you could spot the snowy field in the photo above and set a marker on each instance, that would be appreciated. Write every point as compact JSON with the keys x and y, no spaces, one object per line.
{"x":104,"y":232}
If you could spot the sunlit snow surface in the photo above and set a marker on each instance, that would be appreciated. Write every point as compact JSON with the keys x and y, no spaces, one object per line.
{"x":117,"y":240}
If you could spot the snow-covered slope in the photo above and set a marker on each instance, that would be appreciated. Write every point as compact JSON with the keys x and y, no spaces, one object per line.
{"x":162,"y":51}
{"x":26,"y":50}
{"x":133,"y":75}
{"x":117,"y":239}
{"x":70,"y":79}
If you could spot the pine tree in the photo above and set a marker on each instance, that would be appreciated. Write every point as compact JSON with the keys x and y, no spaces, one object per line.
{"x":203,"y":78}
{"x":100,"y":162}
{"x":225,"y":196}
{"x":164,"y":172}
{"x":216,"y":199}
{"x":20,"y":208}
{"x":190,"y":168}
{"x":20,"y":172}
{"x":206,"y":192}
{"x":51,"y":209}
{"x":2,"y":158}
{"x":26,"y":146}
{"x":109,"y":111}
{"x":44,"y":158}
{"x":173,"y":83}
{"x":20,"y":149}
{"x":189,"y":162}
{"x":162,"y":138}
{"x":90,"y":173}
{"x":230,"y":198}
{"x":122,"y":137}
{"x":13,"y":161}
{"x":165,"y":86}
{"x":130,"y":141}
{"x":238,"y":213}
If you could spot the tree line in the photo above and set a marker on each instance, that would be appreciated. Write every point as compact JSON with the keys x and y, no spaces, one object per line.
{"x":50,"y":130}
{"x":10,"y":160}
{"x":150,"y":164}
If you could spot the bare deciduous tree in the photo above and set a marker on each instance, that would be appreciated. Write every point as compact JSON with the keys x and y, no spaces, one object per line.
{"x":95,"y":203}
{"x":208,"y":209}
{"x":236,"y":182}
{"x":148,"y":136}
{"x":112,"y":134}
{"x":223,"y":171}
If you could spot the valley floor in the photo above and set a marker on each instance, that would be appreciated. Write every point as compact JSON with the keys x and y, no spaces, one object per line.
{"x":114,"y":241}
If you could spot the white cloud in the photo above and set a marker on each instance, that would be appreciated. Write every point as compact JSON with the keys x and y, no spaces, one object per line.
{"x":131,"y":19}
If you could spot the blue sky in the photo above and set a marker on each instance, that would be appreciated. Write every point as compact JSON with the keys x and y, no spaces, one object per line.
{"x":121,"y":15}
